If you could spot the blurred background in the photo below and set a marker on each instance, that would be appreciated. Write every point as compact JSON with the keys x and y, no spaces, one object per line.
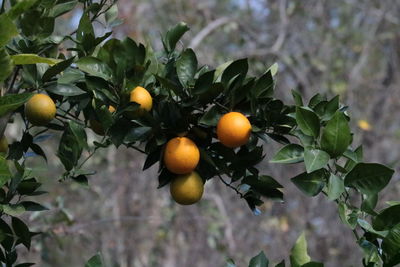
{"x":345,"y":47}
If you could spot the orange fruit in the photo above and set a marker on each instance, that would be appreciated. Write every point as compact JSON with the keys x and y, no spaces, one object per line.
{"x":187,"y":189}
{"x":141,"y":96}
{"x":233,"y":129}
{"x":181,"y":155}
{"x":40,"y":109}
{"x":3,"y":145}
{"x":96,"y":126}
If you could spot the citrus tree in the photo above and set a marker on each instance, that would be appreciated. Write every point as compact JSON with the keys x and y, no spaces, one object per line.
{"x":196,"y":122}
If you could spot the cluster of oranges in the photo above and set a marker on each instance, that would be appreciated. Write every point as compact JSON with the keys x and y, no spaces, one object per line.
{"x":181,"y":154}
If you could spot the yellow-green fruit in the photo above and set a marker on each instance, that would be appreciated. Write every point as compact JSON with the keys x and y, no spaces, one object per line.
{"x":143,"y":98}
{"x":40,"y":109}
{"x":187,"y":189}
{"x":3,"y":145}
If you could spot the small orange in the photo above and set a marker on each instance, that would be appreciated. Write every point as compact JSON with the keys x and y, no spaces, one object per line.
{"x":187,"y":189}
{"x":141,"y":96}
{"x":40,"y":109}
{"x":96,"y":126}
{"x":233,"y":129}
{"x":181,"y":155}
{"x":3,"y":145}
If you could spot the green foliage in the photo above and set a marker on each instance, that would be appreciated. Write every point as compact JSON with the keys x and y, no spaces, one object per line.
{"x":96,"y":72}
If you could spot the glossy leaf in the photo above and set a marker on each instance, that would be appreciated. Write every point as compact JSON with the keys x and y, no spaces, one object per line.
{"x":310,"y":184}
{"x":10,"y":103}
{"x":315,"y":159}
{"x":95,"y":67}
{"x":259,"y":261}
{"x":387,"y":218}
{"x":291,"y":153}
{"x":336,"y":136}
{"x":308,"y":121}
{"x":22,"y":231}
{"x":186,"y":67}
{"x":56,"y":69}
{"x":174,"y":35}
{"x":391,"y":243}
{"x":369,"y":178}
{"x":65,"y":89}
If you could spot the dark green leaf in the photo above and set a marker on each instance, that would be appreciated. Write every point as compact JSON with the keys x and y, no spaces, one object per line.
{"x":7,"y":30}
{"x":65,"y":89}
{"x":308,"y":121}
{"x":259,"y":261}
{"x":19,"y":8}
{"x":137,"y":134}
{"x":336,"y":136}
{"x":6,"y":65}
{"x":391,"y":243}
{"x":369,"y":178}
{"x":264,"y":85}
{"x":174,"y":34}
{"x":237,"y":67}
{"x":95,"y":67}
{"x":311,"y":184}
{"x":387,"y":218}
{"x":264,"y":185}
{"x":82,"y":180}
{"x":38,"y":150}
{"x":186,"y":67}
{"x":211,"y":117}
{"x":297,"y":98}
{"x":5,"y":174}
{"x":32,"y":206}
{"x":22,"y":231}
{"x":10,"y":103}
{"x":57,"y":68}
{"x":85,"y":27}
{"x":291,"y":153}
{"x":95,"y":261}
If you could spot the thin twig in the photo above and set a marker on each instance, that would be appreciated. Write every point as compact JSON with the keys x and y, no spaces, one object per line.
{"x":231,"y":186}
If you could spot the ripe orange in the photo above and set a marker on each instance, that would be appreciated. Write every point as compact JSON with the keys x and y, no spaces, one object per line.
{"x":233,"y":129}
{"x":3,"y":145}
{"x":181,"y":155}
{"x":187,"y":189}
{"x":40,"y":109}
{"x":96,"y":126}
{"x":141,"y":96}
